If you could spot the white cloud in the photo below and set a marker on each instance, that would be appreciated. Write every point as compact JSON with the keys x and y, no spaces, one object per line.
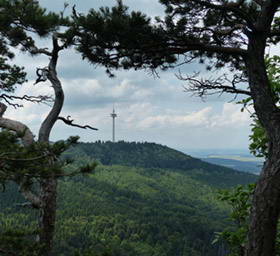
{"x":206,"y":117}
{"x":81,"y":87}
{"x":199,"y":118}
{"x":122,"y":89}
{"x":84,"y":93}
{"x":231,"y":115}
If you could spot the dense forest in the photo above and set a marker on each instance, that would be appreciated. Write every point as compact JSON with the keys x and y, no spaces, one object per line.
{"x":152,"y":155}
{"x":143,"y":199}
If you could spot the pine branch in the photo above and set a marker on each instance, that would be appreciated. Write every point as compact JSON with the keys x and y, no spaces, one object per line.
{"x":229,"y":7}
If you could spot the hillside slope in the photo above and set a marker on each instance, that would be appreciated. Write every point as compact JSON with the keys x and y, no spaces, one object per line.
{"x":151,"y":155}
{"x":126,"y":210}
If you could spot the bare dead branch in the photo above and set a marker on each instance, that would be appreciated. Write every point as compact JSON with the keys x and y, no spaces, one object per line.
{"x":69,"y":121}
{"x":210,"y":86}
{"x":35,"y":99}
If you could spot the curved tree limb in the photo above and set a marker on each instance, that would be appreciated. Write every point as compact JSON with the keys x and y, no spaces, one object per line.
{"x":69,"y":121}
{"x":52,"y":117}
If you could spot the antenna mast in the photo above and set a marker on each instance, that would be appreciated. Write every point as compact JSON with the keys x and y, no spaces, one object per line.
{"x":113,"y":115}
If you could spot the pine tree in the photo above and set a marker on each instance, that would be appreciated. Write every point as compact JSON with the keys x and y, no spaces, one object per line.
{"x":33,"y":165}
{"x":221,"y":33}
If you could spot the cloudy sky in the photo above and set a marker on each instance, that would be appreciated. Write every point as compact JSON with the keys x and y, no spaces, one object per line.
{"x":149,"y":109}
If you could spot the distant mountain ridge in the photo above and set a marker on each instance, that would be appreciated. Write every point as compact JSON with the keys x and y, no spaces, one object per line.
{"x":152,"y":155}
{"x":244,"y":166}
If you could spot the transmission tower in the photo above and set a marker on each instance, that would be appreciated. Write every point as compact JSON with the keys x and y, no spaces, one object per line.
{"x":113,"y":115}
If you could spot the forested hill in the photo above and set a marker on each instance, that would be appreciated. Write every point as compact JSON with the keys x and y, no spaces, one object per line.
{"x":152,"y":155}
{"x":143,"y":200}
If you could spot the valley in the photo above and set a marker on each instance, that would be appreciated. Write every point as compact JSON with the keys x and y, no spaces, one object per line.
{"x":142,"y":199}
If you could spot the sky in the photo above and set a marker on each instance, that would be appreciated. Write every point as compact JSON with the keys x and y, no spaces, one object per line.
{"x":148,"y":108}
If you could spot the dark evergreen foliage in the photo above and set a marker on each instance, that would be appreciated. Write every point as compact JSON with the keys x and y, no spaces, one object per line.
{"x":17,"y":19}
{"x":107,"y":37}
{"x":117,"y":38}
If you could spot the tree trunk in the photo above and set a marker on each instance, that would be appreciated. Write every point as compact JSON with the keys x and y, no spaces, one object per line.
{"x":48,"y":185}
{"x":266,"y":199}
{"x":265,"y":208}
{"x":47,"y":214}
